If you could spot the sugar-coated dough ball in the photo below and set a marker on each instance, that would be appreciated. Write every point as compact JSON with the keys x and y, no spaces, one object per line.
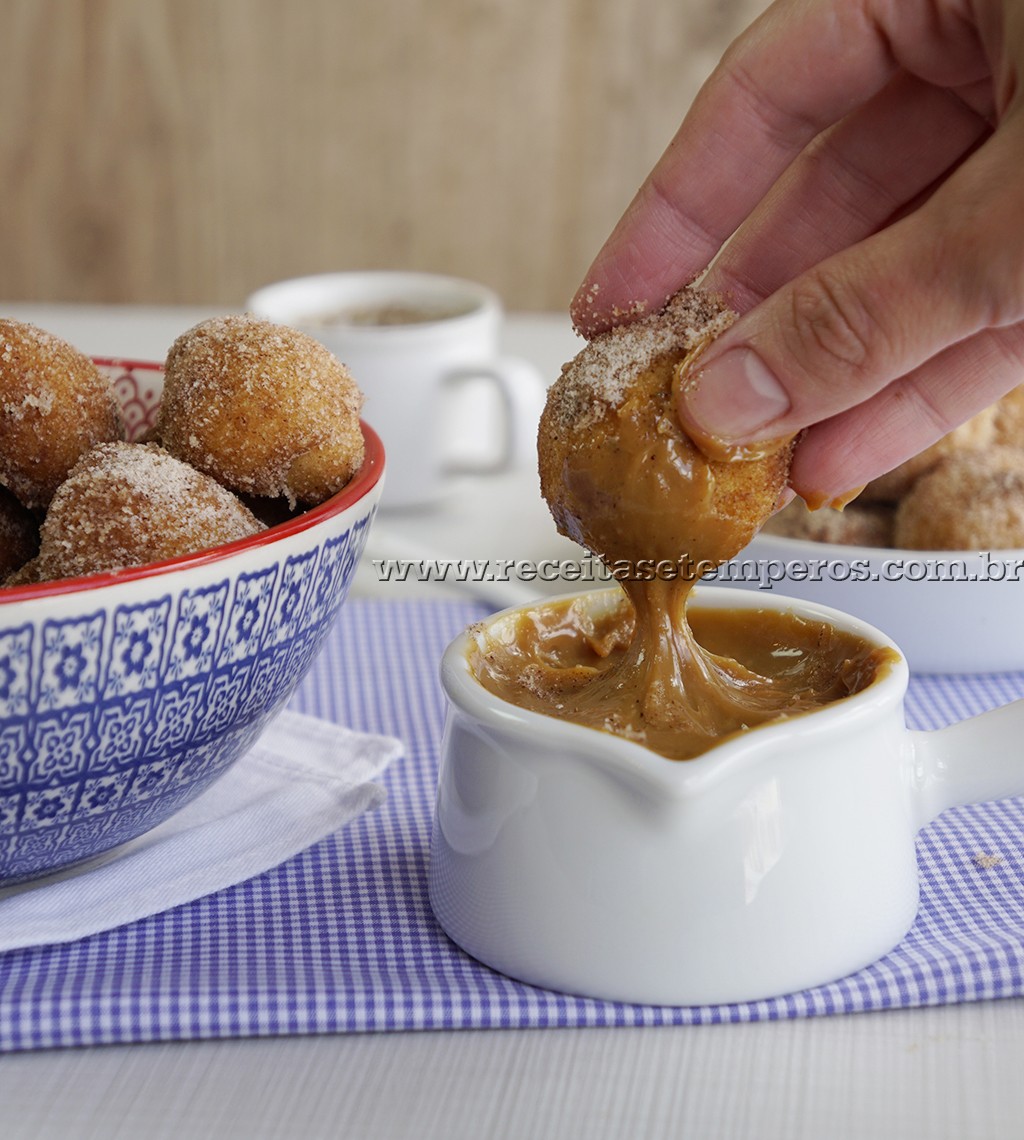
{"x":869,"y":524}
{"x":55,"y":405}
{"x":970,"y":501}
{"x":24,"y":575}
{"x":128,"y":504}
{"x":618,"y":472}
{"x":1009,"y":419}
{"x":972,"y":435}
{"x":263,"y":408}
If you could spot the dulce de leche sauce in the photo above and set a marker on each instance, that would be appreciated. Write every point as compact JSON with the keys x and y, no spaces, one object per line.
{"x":622,"y":478}
{"x":724,"y":671}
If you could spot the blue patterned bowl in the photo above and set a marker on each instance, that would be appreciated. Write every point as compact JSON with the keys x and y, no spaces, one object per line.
{"x":125,"y":695}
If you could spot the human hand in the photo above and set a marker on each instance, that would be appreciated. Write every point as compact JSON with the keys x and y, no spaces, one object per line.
{"x":868,"y":158}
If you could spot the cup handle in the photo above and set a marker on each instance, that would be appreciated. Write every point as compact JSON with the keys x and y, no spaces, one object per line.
{"x":522,"y":392}
{"x":979,"y":759}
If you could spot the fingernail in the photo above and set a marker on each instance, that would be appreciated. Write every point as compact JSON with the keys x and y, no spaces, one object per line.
{"x":734,"y":396}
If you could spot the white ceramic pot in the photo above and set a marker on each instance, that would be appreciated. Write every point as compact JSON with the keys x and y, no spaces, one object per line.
{"x":582,"y":862}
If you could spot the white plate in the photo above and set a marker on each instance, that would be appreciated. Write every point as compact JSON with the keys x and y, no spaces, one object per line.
{"x":949,"y":611}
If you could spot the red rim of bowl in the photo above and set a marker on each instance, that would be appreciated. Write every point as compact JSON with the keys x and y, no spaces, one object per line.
{"x":364,"y":480}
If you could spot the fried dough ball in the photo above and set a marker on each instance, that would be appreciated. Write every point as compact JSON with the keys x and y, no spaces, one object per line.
{"x":262,"y":408}
{"x":55,"y":405}
{"x":19,"y":534}
{"x":1009,"y":419}
{"x":24,"y":575}
{"x":869,"y":524}
{"x":618,"y":472}
{"x":972,"y":435}
{"x":126,"y":504}
{"x":970,"y":501}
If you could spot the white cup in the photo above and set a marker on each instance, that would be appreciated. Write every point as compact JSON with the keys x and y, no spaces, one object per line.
{"x":413,"y":342}
{"x":780,"y":859}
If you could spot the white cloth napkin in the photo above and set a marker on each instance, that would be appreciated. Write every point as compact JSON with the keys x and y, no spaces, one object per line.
{"x":303,"y":779}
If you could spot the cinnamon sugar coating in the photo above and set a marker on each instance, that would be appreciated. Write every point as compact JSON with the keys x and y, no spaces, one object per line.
{"x":976,"y":433}
{"x":127,"y":504}
{"x":868,"y":524}
{"x":1009,"y":419}
{"x":973,"y":500}
{"x":24,"y":575}
{"x":55,"y":405}
{"x":263,"y":408}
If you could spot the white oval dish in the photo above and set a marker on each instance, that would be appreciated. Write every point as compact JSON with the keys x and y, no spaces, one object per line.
{"x":949,"y":611}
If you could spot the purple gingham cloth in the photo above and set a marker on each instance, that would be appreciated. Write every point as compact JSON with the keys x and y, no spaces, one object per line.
{"x":341,"y":937}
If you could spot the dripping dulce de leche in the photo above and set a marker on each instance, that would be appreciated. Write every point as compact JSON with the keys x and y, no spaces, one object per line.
{"x":622,"y":478}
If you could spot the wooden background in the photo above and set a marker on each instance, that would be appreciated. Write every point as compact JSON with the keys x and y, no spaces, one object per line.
{"x":191,"y":150}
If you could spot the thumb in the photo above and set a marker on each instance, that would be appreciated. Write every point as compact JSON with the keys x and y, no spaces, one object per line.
{"x":837,"y":334}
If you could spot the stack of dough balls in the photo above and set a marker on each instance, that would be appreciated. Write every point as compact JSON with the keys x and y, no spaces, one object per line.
{"x":249,"y":408}
{"x":965,"y":492}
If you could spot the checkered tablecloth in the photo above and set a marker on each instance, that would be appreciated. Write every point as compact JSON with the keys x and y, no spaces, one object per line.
{"x":341,"y":937}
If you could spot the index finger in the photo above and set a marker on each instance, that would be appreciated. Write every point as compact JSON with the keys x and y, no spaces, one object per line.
{"x":798,"y":69}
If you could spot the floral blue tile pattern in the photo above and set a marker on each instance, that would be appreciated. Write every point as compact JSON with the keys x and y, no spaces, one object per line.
{"x":112,"y":718}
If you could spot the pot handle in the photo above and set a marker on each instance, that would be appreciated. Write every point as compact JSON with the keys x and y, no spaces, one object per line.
{"x":979,"y":759}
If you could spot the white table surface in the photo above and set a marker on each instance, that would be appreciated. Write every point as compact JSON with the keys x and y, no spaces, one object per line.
{"x":950,"y":1072}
